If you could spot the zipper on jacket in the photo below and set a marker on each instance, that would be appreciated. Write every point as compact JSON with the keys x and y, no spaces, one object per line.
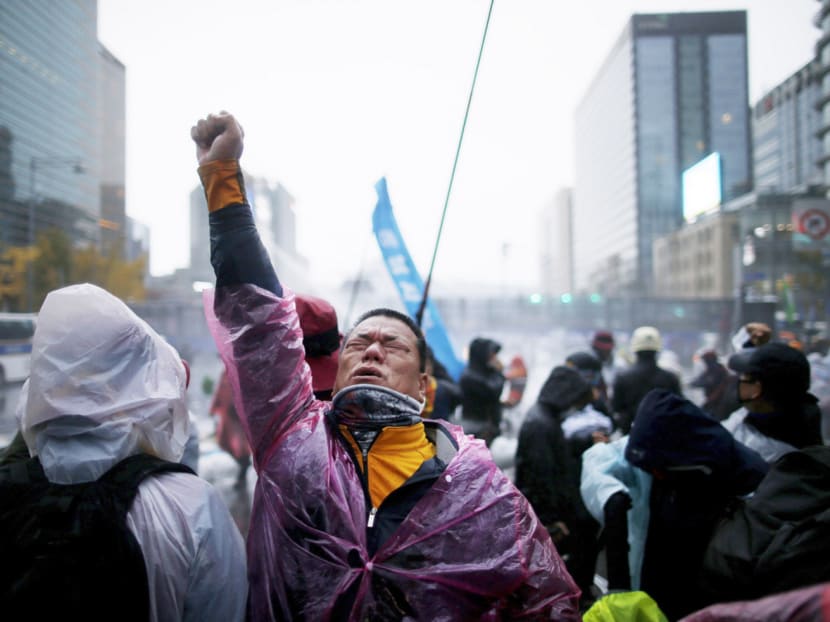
{"x":362,"y":473}
{"x":370,"y":521}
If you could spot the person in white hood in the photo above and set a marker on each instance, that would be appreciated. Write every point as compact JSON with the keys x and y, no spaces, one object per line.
{"x":105,"y":387}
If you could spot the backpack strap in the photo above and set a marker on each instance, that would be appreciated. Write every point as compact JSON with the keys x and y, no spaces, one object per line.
{"x":122,"y":481}
{"x":73,"y":540}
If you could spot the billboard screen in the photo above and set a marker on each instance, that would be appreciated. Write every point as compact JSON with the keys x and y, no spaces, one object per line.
{"x":702,"y":187}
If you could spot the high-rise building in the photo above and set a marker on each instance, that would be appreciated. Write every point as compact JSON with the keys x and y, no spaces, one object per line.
{"x":673,"y":90}
{"x":785,"y":134}
{"x":556,"y":243}
{"x":275,"y":221}
{"x":50,"y":142}
{"x":137,"y":241}
{"x":112,"y":127}
{"x":822,"y":21}
{"x":199,"y":266}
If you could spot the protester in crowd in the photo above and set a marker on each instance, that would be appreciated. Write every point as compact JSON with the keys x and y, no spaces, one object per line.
{"x":516,"y":376}
{"x":632,"y":384}
{"x":590,"y":368}
{"x":602,"y":345}
{"x":230,"y":435}
{"x":752,"y":335}
{"x":779,"y":414}
{"x":719,"y":387}
{"x":779,"y":538}
{"x":482,"y":383}
{"x":321,"y":342}
{"x":17,"y":450}
{"x":695,"y":470}
{"x":555,"y":432}
{"x":443,"y":393}
{"x":362,"y":509}
{"x":102,"y":522}
{"x":617,"y":496}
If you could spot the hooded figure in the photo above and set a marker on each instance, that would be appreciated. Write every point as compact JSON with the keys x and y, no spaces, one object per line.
{"x":590,"y":367}
{"x":548,"y":468}
{"x":697,"y":468}
{"x":481,"y":385}
{"x":104,"y":390}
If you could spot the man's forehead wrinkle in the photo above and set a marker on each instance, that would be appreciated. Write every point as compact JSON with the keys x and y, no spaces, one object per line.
{"x":386,"y":327}
{"x":384,"y":333}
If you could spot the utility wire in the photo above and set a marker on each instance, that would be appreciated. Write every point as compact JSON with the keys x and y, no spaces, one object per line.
{"x":420,"y":315}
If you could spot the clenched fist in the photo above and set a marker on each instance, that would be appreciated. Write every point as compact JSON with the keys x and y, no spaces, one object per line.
{"x":217,"y":137}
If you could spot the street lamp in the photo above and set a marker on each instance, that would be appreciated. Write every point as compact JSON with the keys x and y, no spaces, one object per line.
{"x":34,"y":163}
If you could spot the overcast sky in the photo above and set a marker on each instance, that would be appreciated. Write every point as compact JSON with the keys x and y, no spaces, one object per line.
{"x":334,"y":95}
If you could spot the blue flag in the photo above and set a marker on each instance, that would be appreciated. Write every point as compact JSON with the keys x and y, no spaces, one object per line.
{"x":408,"y":281}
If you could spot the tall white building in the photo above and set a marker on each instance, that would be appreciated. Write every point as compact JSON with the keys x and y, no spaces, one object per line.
{"x":276,"y":223}
{"x":556,"y":244}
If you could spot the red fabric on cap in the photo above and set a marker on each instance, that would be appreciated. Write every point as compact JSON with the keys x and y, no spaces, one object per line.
{"x":317,"y":316}
{"x":603,"y":340}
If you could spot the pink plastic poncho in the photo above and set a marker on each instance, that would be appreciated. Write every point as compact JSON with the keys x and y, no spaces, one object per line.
{"x":470,"y":549}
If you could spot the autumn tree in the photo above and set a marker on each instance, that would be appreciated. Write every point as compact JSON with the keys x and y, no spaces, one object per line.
{"x":56,"y":263}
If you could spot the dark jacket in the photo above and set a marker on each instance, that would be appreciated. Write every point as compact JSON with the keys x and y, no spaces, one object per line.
{"x":447,"y":393}
{"x":698,"y":468}
{"x":778,"y":539}
{"x":547,"y":471}
{"x":481,"y":385}
{"x":632,"y":384}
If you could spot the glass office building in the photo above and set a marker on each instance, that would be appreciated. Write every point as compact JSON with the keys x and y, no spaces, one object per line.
{"x":822,"y":21}
{"x":786,"y":134}
{"x":673,"y":90}
{"x":50,"y":111}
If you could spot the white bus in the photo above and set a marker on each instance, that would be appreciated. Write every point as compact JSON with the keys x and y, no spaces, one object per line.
{"x":16,"y":331}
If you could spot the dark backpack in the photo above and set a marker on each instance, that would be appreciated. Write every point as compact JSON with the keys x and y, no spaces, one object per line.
{"x":778,"y":539}
{"x":66,"y":551}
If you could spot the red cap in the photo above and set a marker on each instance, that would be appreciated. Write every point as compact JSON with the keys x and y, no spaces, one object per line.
{"x":603,"y":340}
{"x":321,"y":339}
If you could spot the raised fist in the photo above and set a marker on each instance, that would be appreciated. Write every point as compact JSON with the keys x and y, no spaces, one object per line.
{"x":217,"y":137}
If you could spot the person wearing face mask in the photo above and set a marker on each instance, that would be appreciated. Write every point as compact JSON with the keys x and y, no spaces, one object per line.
{"x":362,"y":508}
{"x":779,"y":414}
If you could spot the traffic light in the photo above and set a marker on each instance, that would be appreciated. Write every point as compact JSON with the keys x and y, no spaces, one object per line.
{"x":566,"y":298}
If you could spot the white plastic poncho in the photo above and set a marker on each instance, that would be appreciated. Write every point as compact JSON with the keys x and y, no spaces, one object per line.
{"x":105,"y":386}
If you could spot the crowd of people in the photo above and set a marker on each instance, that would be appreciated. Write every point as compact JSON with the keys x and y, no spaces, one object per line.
{"x":370,"y":503}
